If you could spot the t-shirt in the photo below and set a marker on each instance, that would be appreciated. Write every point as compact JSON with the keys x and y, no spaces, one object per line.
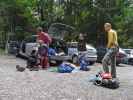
{"x":112,"y":39}
{"x":44,"y":37}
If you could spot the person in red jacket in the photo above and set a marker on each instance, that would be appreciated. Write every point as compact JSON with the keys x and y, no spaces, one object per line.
{"x":44,"y":39}
{"x":43,"y":36}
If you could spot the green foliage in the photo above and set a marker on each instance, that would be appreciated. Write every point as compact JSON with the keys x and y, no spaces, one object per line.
{"x":21,"y":17}
{"x":17,"y":17}
{"x":2,"y":52}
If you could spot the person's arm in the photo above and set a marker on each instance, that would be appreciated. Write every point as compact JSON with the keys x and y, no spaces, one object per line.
{"x":110,"y":39}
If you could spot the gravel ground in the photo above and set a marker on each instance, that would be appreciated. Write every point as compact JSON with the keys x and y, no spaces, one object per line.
{"x":44,"y":85}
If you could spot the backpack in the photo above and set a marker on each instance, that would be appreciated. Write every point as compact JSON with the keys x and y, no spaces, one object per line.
{"x":65,"y":68}
{"x":51,"y":52}
{"x":106,"y":80}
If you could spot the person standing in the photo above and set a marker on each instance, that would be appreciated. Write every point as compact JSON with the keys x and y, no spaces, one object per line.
{"x":44,"y":40}
{"x":113,"y":48}
{"x":43,"y":36}
{"x":81,"y":43}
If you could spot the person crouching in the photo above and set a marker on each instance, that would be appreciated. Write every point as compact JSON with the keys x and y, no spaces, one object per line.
{"x":32,"y":61}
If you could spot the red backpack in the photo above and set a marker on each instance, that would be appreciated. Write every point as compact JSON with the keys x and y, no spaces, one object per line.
{"x":106,"y":75}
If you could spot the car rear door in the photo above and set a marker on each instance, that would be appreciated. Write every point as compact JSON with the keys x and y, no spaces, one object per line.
{"x":31,"y":45}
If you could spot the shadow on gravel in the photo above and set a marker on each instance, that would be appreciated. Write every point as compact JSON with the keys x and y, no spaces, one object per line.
{"x":124,"y":65}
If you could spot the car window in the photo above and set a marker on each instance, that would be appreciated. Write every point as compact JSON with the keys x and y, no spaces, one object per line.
{"x":31,"y":39}
{"x":132,"y":52}
{"x":128,"y":51}
{"x":101,"y":51}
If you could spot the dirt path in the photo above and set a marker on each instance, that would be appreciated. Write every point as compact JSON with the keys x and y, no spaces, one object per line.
{"x":44,"y":85}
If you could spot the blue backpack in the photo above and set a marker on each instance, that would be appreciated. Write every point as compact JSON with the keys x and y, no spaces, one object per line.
{"x":65,"y":68}
{"x":51,"y":52}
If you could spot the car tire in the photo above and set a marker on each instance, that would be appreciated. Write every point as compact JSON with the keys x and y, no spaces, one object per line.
{"x":75,"y":59}
{"x":130,"y":61}
{"x":59,"y":62}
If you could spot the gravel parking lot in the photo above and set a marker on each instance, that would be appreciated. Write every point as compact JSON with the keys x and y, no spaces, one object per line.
{"x":44,"y":85}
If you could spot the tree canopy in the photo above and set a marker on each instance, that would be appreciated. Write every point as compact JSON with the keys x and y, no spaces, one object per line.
{"x":21,"y":17}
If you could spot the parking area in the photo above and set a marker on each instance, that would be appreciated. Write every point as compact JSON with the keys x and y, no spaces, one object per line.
{"x":44,"y":85}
